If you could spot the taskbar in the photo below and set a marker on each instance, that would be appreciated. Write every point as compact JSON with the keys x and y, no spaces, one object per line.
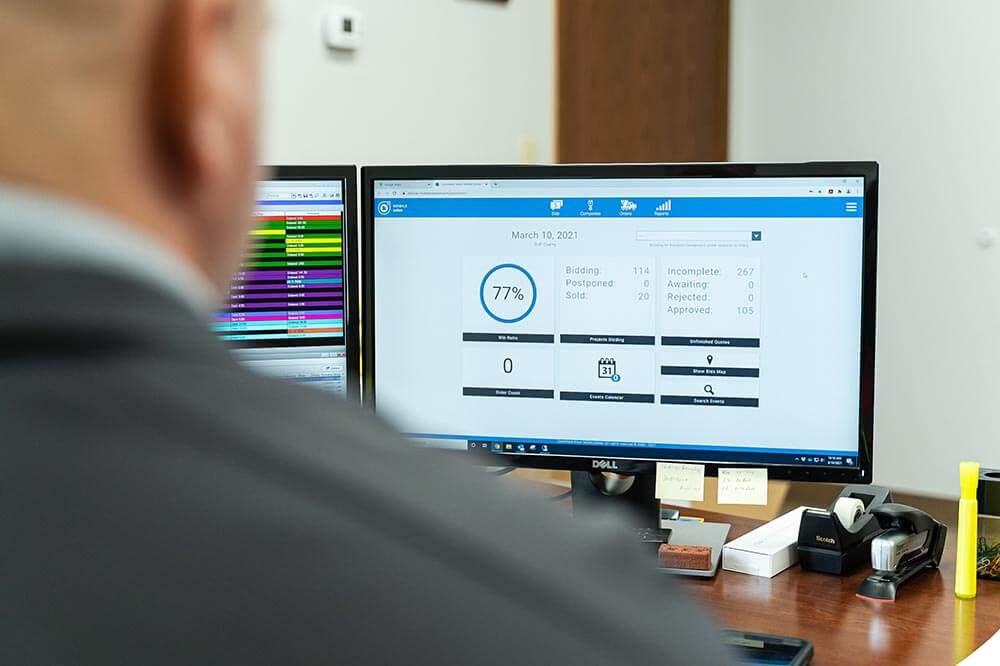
{"x":653,"y":454}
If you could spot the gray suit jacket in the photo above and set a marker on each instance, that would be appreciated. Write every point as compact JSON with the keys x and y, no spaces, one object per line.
{"x":159,"y":504}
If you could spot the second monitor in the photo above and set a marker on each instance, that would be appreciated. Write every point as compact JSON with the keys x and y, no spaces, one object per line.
{"x":292,"y":306}
{"x":615,"y":316}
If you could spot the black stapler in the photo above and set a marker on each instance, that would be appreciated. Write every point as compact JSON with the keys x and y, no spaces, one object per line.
{"x":836,"y":541}
{"x":912,"y":541}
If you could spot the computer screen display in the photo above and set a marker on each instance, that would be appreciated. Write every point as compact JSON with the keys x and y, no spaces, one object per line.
{"x":288,"y":306}
{"x":689,"y":319}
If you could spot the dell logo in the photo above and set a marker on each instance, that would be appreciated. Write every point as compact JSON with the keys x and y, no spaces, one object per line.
{"x":605,"y":464}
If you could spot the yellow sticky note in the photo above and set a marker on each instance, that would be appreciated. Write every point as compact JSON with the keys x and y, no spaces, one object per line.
{"x":742,"y":486}
{"x":680,"y":481}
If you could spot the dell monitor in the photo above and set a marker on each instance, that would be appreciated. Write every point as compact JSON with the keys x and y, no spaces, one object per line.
{"x":611,"y":317}
{"x":292,"y":306}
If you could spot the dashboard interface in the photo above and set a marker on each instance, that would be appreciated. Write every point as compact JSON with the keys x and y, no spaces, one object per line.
{"x":713,"y":320}
{"x":285,"y":312}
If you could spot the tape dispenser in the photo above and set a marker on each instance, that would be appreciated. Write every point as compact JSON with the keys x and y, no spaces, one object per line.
{"x":838,"y":540}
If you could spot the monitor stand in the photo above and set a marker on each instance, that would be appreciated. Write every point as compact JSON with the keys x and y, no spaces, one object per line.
{"x":624,"y":498}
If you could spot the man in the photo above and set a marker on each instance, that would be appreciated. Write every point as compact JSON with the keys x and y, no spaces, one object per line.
{"x":158,"y":503}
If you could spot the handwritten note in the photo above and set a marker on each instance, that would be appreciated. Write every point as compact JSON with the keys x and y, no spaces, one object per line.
{"x":742,"y":486}
{"x":677,"y":481}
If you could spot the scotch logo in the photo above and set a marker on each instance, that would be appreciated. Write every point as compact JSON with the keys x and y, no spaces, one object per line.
{"x":824,"y":539}
{"x":605,"y":464}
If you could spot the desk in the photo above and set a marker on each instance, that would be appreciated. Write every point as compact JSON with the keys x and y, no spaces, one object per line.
{"x":926,"y":625}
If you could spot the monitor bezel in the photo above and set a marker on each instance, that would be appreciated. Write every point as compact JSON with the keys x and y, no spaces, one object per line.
{"x":866,"y":407}
{"x":348,"y":174}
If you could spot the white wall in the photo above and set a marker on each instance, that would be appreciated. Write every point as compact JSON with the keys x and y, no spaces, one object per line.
{"x":912,"y":84}
{"x":436,"y":81}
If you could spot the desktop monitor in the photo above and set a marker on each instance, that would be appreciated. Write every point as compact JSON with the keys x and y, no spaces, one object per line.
{"x":292,"y":307}
{"x":611,"y":317}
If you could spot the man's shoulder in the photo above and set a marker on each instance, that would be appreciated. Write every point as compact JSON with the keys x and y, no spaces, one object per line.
{"x":320,"y":495}
{"x":223,"y":401}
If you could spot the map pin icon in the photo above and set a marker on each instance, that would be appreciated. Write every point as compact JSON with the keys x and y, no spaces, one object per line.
{"x":710,"y":359}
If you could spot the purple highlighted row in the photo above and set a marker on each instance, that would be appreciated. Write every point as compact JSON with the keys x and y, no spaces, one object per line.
{"x":333,"y":314}
{"x":286,"y":304}
{"x":308,"y":317}
{"x":282,"y":275}
{"x":315,"y":283}
{"x":294,"y":294}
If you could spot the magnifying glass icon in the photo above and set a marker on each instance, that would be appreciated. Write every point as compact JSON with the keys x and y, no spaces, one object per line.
{"x":709,"y":390}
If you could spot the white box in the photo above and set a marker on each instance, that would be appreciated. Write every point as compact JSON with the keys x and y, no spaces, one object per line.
{"x":767,"y":550}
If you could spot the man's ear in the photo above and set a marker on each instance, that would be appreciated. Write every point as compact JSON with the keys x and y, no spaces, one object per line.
{"x":172,"y":93}
{"x":187,"y":128}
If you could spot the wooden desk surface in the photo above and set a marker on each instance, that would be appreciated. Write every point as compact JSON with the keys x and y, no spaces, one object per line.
{"x":926,"y":624}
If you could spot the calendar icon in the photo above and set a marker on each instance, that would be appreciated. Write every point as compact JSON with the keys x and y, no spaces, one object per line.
{"x":606,"y":368}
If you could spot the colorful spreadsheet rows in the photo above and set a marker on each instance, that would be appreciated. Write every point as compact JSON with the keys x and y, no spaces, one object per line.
{"x":291,"y":283}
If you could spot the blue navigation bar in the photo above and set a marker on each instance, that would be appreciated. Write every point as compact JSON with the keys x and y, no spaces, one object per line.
{"x":687,"y":207}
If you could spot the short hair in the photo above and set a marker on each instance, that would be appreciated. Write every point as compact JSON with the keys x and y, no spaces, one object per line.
{"x":67,"y":9}
{"x":45,"y":33}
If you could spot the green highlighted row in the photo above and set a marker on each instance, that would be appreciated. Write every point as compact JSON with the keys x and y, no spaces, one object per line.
{"x":297,"y":255}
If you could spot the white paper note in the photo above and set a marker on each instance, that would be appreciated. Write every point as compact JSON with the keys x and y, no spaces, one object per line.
{"x":679,"y":481}
{"x":742,"y":486}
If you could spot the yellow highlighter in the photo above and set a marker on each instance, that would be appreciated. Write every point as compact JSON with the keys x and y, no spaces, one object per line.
{"x":965,"y":559}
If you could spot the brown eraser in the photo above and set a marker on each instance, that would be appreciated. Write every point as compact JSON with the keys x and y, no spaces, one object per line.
{"x":698,"y":558}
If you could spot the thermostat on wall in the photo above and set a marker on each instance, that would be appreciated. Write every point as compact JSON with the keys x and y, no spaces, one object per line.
{"x":342,"y":28}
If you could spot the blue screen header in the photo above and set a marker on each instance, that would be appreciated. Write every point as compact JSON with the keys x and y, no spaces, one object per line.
{"x":685,"y":207}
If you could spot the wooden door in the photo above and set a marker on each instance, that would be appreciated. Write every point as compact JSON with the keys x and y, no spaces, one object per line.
{"x":642,"y":80}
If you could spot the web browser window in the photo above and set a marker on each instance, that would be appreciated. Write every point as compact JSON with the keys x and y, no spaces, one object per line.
{"x":687,"y":319}
{"x":285,"y":312}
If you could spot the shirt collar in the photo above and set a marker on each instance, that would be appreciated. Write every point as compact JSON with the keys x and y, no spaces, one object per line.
{"x":42,"y":228}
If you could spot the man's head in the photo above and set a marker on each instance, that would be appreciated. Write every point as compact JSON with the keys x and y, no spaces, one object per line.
{"x":146,"y":108}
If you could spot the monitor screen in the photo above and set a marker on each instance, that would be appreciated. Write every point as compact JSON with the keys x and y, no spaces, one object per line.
{"x":287,"y":310}
{"x":689,"y":319}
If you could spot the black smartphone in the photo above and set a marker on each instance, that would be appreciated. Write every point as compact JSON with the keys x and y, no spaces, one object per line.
{"x":765,"y":649}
